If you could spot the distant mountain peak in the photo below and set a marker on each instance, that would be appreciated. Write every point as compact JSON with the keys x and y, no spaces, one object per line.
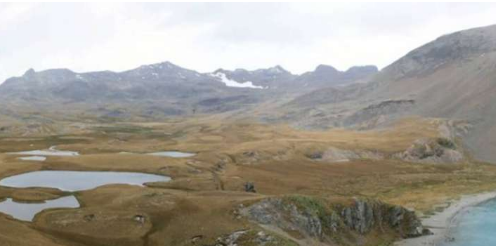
{"x":159,"y":66}
{"x":277,"y":70}
{"x":29,"y":72}
{"x":366,"y":68}
{"x":271,"y":70}
{"x":325,"y":68}
{"x":221,"y":70}
{"x":50,"y":73}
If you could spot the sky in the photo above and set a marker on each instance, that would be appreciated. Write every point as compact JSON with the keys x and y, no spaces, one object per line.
{"x":207,"y":36}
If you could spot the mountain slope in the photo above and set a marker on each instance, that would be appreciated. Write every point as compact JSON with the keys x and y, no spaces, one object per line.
{"x":452,"y":77}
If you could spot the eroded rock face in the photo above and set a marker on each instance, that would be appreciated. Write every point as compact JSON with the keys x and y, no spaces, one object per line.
{"x":285,"y":215}
{"x":359,"y":217}
{"x":328,"y":222}
{"x":363,"y":216}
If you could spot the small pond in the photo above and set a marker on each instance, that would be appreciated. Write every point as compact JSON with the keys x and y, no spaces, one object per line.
{"x":78,"y":180}
{"x":174,"y":154}
{"x":47,"y":152}
{"x":27,"y":211}
{"x":32,"y":158}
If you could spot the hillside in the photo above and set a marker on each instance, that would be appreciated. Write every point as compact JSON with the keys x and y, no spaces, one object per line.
{"x":452,"y":77}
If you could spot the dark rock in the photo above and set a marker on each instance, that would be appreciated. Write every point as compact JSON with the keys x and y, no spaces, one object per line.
{"x":250,"y":187}
{"x":315,"y":155}
{"x":359,"y":217}
{"x":312,"y":217}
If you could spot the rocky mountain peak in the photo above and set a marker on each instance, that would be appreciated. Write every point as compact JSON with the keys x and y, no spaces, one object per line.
{"x":224,"y":71}
{"x":164,"y":71}
{"x":158,"y":67}
{"x":277,"y":70}
{"x":455,"y":47}
{"x":49,"y":76}
{"x":30,"y":72}
{"x":362,"y":69}
{"x":325,"y":69}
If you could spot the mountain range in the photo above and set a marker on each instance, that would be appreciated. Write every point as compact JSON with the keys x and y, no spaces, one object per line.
{"x":165,"y":89}
{"x":452,"y":78}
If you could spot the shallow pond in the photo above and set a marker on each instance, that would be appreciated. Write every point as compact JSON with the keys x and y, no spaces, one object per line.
{"x":174,"y":154}
{"x":32,"y":158}
{"x":78,"y":180}
{"x":27,"y":211}
{"x":48,"y":152}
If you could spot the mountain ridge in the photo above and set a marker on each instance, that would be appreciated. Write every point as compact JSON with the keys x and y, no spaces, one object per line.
{"x":450,"y":78}
{"x":162,"y":89}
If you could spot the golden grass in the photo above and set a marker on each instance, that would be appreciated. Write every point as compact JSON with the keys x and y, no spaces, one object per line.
{"x":206,"y":188}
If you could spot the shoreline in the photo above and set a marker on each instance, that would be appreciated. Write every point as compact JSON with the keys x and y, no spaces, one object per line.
{"x":443,"y":222}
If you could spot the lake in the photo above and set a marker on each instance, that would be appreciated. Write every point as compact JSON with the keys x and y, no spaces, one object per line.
{"x":32,"y":158}
{"x":27,"y":211}
{"x":78,"y":180}
{"x":174,"y":154}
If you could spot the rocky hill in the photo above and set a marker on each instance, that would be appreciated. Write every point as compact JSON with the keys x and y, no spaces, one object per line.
{"x":452,"y":77}
{"x":335,"y":223}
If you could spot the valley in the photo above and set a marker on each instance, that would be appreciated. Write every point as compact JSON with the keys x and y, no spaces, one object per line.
{"x":202,"y":201}
{"x":165,"y":155}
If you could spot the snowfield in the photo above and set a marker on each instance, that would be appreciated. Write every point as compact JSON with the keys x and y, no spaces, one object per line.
{"x":232,"y":83}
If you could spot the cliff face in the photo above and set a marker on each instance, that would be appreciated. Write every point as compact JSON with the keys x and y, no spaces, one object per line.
{"x":349,"y":223}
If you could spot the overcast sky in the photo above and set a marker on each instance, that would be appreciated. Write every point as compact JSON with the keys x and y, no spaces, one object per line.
{"x":204,"y":37}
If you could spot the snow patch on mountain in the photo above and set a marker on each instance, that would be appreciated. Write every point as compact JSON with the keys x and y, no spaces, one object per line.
{"x":232,"y":83}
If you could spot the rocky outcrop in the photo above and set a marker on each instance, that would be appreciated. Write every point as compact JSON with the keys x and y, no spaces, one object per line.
{"x":344,"y":224}
{"x":285,"y":214}
{"x":249,"y":157}
{"x":440,"y":150}
{"x":334,"y":155}
{"x":247,"y":237}
{"x":364,"y":215}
